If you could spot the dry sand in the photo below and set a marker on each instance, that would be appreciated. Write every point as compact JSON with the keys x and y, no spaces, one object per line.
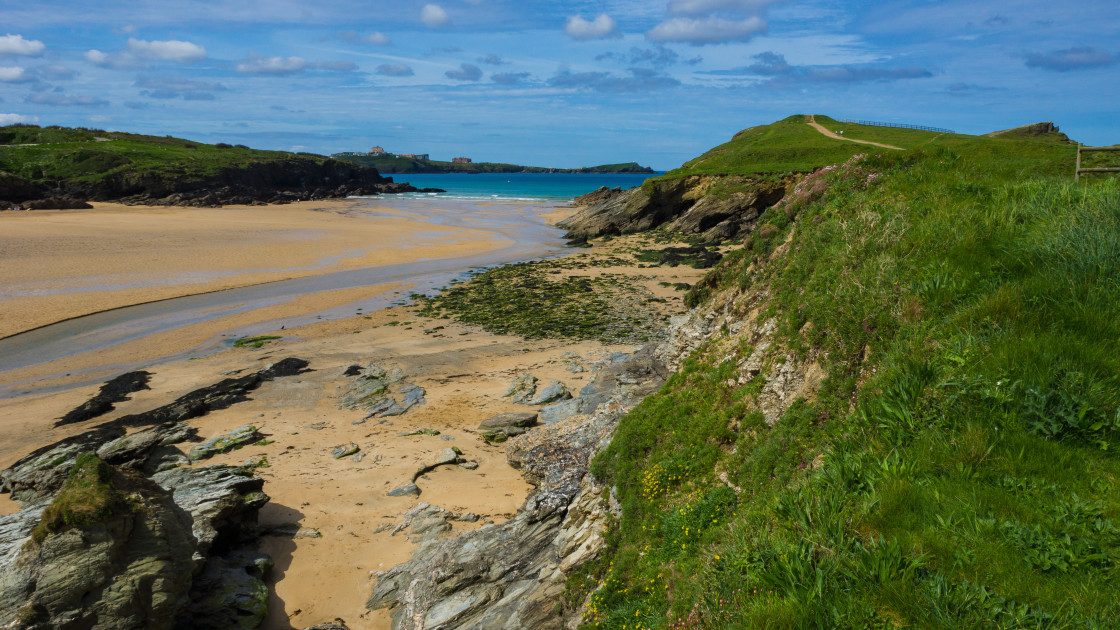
{"x":465,"y":371}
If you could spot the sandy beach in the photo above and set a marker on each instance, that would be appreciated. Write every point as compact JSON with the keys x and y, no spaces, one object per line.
{"x":464,"y":370}
{"x":55,"y":265}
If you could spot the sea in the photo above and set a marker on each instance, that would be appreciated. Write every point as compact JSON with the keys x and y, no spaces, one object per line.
{"x":517,"y":186}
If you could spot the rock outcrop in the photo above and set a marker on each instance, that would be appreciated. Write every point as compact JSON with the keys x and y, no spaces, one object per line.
{"x":682,"y":205}
{"x":175,"y":550}
{"x":114,"y":391}
{"x":509,"y":575}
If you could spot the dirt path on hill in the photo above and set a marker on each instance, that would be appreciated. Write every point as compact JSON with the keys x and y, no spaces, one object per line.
{"x":821,"y":128}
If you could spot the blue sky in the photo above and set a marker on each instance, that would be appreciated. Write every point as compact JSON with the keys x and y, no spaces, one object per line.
{"x":552,"y":83}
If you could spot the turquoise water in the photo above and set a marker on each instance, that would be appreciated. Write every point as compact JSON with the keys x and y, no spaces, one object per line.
{"x":517,"y":186}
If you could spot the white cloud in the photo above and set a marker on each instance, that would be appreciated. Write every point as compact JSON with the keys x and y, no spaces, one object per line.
{"x":709,"y":30}
{"x":601,"y":27}
{"x":17,"y":45}
{"x":15,"y":119}
{"x":97,"y":58}
{"x":255,"y":64}
{"x":434,"y":16}
{"x":14,"y":74}
{"x":378,"y":39}
{"x":170,"y":50}
{"x":700,"y":7}
{"x":100,"y":119}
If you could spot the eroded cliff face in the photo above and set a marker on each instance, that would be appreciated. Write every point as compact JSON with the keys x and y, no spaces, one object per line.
{"x":715,"y":207}
{"x":512,"y":575}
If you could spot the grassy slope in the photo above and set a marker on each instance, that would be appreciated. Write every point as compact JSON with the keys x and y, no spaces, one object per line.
{"x":957,"y":469}
{"x":75,"y":154}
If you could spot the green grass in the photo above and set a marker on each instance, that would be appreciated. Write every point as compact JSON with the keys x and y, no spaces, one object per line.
{"x":958,"y":467}
{"x":905,"y":138}
{"x":87,"y":497}
{"x":76,"y":155}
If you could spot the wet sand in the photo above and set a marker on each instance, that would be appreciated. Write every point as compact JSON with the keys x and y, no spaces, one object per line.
{"x":465,"y":371}
{"x":60,"y":264}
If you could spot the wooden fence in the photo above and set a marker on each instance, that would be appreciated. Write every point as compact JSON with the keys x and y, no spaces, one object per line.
{"x":896,"y":125}
{"x":1078,"y":170}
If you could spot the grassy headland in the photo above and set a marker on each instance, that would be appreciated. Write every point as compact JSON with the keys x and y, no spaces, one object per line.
{"x":93,"y":164}
{"x":955,"y":468}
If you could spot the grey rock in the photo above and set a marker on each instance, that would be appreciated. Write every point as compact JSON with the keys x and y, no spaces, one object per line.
{"x":508,"y":575}
{"x":681,"y":205}
{"x":412,"y":395}
{"x":408,"y":489}
{"x":42,"y":472}
{"x":237,"y":438}
{"x":15,"y":530}
{"x":337,"y":624}
{"x":446,"y":457}
{"x":222,"y":501}
{"x":553,"y":392}
{"x":345,"y":450}
{"x":505,"y":420}
{"x":522,"y":389}
{"x":135,"y":569}
{"x":561,"y":411}
{"x":469,"y":465}
{"x":358,"y":458}
{"x":230,"y":593}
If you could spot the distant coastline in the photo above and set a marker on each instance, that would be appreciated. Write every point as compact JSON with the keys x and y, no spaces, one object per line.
{"x":397,"y":165}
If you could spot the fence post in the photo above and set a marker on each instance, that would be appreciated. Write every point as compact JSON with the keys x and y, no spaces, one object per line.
{"x":1077,"y":169}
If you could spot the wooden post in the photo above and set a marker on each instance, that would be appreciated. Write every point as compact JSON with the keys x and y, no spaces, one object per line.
{"x":1077,"y":169}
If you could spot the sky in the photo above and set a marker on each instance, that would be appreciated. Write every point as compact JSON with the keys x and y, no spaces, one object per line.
{"x":552,"y":83}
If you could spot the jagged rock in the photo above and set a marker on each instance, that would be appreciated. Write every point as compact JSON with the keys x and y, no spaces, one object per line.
{"x":553,"y":392}
{"x":229,"y":593}
{"x":522,"y":389}
{"x":337,"y":624}
{"x":446,"y":457}
{"x":237,"y":438}
{"x":57,"y":203}
{"x":469,"y":465}
{"x":113,"y":391}
{"x":408,"y":489}
{"x":506,"y":425}
{"x":222,"y":501}
{"x":42,"y":472}
{"x":598,"y":195}
{"x":15,"y":530}
{"x":561,"y":411}
{"x":133,"y":449}
{"x":16,"y":189}
{"x":507,"y":576}
{"x":345,"y":450}
{"x":221,"y":395}
{"x":412,"y":395}
{"x":681,"y":204}
{"x":130,"y":570}
{"x":377,"y":390}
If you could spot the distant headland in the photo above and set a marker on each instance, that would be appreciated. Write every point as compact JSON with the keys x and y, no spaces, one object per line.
{"x":408,"y":163}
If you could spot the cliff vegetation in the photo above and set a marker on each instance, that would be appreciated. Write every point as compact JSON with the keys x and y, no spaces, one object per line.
{"x":904,"y":411}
